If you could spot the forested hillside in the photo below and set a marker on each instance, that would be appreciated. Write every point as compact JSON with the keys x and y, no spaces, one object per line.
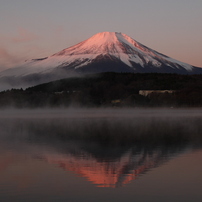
{"x":110,"y":89}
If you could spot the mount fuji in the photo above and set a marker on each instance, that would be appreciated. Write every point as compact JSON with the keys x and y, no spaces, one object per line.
{"x":103,"y":52}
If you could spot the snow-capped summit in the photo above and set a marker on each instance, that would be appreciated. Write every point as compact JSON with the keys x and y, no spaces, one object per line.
{"x":104,"y":43}
{"x":103,"y":52}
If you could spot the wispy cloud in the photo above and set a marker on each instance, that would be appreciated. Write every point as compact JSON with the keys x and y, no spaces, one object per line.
{"x":24,"y":35}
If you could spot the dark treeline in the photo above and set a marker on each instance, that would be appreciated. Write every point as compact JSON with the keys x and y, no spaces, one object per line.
{"x":110,"y":89}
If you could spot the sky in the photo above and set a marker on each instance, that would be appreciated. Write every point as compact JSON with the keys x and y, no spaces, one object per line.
{"x":38,"y":28}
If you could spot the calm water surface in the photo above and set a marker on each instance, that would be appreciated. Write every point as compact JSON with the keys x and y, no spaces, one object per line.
{"x":101,"y":155}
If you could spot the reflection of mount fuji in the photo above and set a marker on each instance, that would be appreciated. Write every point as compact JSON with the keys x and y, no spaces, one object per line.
{"x":106,"y":150}
{"x":111,"y":170}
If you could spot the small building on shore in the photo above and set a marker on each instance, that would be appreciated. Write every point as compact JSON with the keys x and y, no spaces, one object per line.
{"x":148,"y":92}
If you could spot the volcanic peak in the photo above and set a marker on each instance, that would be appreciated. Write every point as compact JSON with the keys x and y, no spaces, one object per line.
{"x":103,"y":52}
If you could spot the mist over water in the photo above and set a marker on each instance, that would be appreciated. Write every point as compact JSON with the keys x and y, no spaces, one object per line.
{"x":109,"y":148}
{"x":113,"y":125}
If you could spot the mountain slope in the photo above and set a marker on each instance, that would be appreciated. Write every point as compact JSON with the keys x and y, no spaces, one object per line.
{"x":103,"y":52}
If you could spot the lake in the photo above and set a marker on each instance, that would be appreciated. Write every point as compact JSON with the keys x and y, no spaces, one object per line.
{"x":101,"y":155}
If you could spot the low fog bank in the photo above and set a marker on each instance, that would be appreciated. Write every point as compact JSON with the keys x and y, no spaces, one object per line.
{"x":122,"y":113}
{"x":33,"y":79}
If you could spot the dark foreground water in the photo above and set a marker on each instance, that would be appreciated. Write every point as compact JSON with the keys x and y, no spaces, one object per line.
{"x":101,"y":155}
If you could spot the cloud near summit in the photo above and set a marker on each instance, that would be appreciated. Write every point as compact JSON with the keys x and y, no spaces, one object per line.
{"x":11,"y":47}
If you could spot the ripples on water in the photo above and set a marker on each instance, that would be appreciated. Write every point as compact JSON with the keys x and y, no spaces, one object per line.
{"x":108,"y":148}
